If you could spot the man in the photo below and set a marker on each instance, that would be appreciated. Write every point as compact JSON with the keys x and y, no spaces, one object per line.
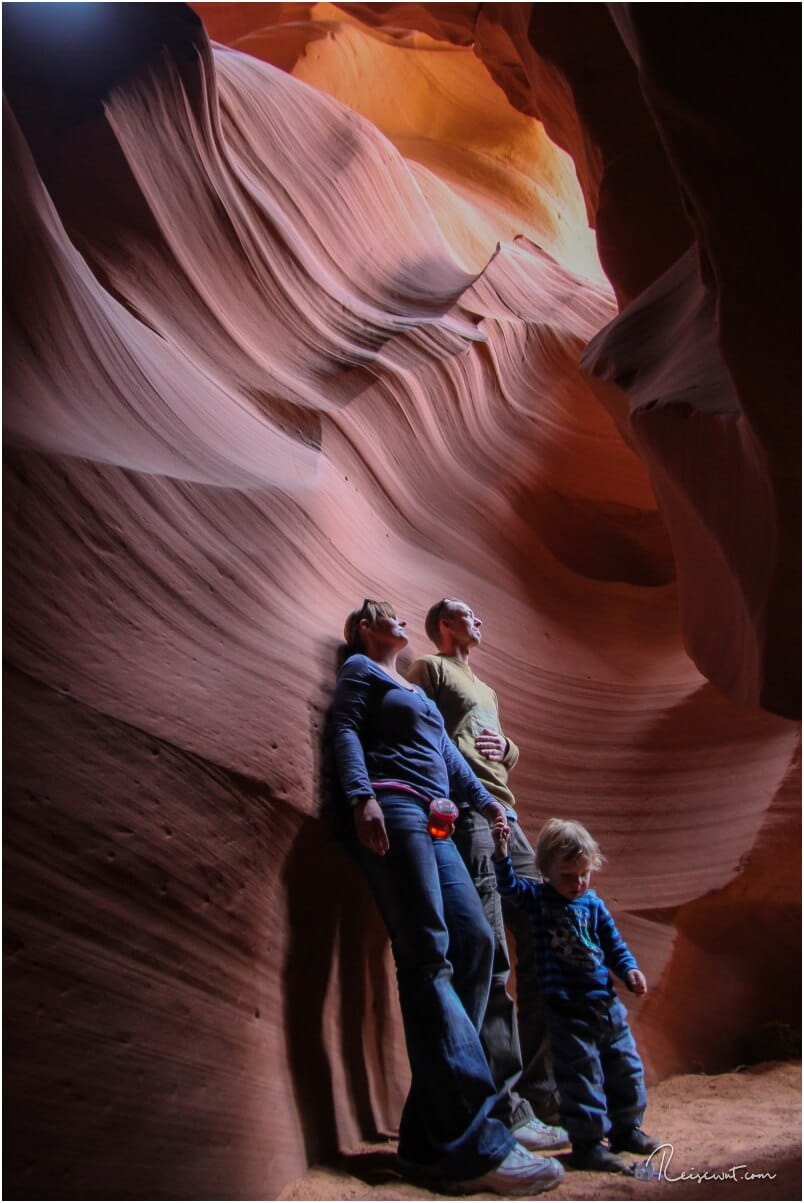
{"x":472,"y":719}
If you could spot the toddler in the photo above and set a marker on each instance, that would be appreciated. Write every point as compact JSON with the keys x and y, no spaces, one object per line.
{"x":597,"y":1067}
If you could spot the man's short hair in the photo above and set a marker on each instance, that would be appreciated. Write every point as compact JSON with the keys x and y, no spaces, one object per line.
{"x":432,"y":623}
{"x":370,"y":610}
{"x":564,"y":839}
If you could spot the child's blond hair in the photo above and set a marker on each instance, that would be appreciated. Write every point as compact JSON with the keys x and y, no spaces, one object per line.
{"x":564,"y":839}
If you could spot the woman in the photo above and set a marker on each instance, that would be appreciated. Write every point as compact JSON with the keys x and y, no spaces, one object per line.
{"x":393,"y":759}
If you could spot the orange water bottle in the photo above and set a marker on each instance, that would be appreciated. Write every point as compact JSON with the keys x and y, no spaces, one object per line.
{"x":443,"y":814}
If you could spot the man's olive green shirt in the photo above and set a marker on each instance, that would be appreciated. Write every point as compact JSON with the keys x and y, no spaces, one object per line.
{"x":467,"y":705}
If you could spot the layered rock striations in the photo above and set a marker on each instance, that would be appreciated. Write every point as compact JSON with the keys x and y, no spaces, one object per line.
{"x":296,"y":320}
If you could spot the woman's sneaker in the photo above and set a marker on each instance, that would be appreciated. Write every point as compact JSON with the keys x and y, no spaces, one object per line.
{"x":520,"y":1173}
{"x":633,"y":1140}
{"x":536,"y":1135}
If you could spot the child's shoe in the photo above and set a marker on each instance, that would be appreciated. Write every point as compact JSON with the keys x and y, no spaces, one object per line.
{"x":633,"y":1140}
{"x":593,"y":1155}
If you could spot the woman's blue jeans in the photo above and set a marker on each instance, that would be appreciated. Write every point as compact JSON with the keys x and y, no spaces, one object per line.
{"x":443,"y":948}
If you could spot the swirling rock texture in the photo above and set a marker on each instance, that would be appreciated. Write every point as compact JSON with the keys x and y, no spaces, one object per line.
{"x":297,"y":316}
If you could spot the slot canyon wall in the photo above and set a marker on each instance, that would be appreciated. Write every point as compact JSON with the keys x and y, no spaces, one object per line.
{"x":307,"y":303}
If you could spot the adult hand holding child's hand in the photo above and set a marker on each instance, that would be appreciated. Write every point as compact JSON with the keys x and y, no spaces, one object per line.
{"x":500,"y":832}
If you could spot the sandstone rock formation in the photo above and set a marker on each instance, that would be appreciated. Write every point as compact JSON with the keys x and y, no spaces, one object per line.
{"x":297,"y":317}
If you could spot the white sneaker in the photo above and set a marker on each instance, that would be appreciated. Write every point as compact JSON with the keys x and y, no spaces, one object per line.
{"x":520,"y":1173}
{"x":536,"y":1135}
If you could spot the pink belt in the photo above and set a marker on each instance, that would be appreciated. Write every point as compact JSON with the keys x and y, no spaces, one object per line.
{"x":399,"y":787}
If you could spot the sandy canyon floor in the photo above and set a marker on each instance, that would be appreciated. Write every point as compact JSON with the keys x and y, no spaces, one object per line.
{"x":727,"y":1133}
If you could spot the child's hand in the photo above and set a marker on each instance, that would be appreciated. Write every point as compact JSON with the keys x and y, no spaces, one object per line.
{"x":500,"y":832}
{"x":636,"y":982}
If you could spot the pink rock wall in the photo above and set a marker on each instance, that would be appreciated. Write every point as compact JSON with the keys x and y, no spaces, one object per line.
{"x":264,"y":358}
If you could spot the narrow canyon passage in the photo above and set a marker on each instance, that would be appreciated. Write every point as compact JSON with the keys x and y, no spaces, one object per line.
{"x":307,"y":303}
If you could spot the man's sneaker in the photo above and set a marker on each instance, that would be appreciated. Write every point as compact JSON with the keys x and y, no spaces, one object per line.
{"x":593,"y":1155}
{"x":536,"y":1135}
{"x":520,"y":1173}
{"x":633,"y":1140}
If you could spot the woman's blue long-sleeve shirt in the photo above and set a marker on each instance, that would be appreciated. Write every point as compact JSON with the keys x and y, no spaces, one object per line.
{"x":385,"y":732}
